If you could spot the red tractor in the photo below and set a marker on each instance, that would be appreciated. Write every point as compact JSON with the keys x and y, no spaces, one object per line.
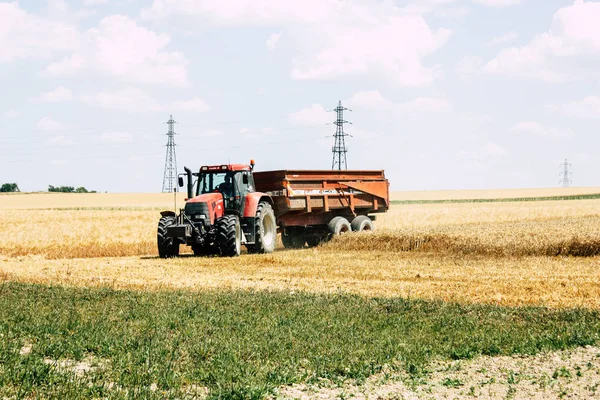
{"x":223,"y":210}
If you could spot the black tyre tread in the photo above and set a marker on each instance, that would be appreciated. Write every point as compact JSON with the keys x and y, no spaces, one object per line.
{"x":358,"y":224}
{"x":313,"y":241}
{"x":292,"y":241}
{"x":258,"y":247}
{"x":166,"y":246}
{"x":226,"y":235}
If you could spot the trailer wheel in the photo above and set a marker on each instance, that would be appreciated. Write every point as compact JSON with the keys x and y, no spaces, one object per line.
{"x":265,"y":230}
{"x":291,"y":241}
{"x":229,"y":235}
{"x":362,"y":223}
{"x":167,"y":246}
{"x":339,"y":226}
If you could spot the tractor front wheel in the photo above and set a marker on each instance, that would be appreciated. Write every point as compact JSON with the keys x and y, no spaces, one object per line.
{"x":167,"y":246}
{"x":229,"y":235}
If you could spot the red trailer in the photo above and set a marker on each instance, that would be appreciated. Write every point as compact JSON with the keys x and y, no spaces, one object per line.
{"x":310,"y":206}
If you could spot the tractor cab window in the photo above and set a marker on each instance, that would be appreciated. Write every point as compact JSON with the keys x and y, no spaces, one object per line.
{"x":213,"y":181}
{"x":229,"y":183}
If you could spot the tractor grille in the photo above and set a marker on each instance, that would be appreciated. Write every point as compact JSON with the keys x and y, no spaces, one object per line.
{"x":196,"y":209}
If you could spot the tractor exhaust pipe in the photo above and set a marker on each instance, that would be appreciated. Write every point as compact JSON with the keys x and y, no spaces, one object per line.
{"x":190,"y":183}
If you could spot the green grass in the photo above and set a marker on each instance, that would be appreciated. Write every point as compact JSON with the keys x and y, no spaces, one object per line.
{"x":245,"y":344}
{"x":515,"y":199}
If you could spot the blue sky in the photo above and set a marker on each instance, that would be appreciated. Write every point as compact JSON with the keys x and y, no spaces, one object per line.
{"x":446,"y":94}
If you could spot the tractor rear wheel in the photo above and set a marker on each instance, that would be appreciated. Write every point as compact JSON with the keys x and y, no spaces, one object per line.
{"x":229,"y":235}
{"x":362,"y":223}
{"x":265,"y":230}
{"x":167,"y":246}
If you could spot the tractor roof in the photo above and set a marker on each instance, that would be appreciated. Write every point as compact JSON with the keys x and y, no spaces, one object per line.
{"x":225,"y":167}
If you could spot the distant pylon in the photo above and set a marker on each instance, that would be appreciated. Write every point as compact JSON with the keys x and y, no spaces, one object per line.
{"x":339,"y":149}
{"x":565,"y":174}
{"x":170,"y":175}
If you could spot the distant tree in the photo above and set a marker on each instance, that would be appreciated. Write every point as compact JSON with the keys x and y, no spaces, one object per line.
{"x":68,"y":189}
{"x":61,"y":189}
{"x":9,"y":188}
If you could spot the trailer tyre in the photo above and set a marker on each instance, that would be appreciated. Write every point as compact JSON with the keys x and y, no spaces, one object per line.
{"x":339,"y":226}
{"x":362,"y":223}
{"x":167,"y":246}
{"x":229,"y":236}
{"x":265,"y":229}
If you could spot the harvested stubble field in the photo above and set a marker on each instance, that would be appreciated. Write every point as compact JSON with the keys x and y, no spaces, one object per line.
{"x":88,"y":310}
{"x":538,"y":253}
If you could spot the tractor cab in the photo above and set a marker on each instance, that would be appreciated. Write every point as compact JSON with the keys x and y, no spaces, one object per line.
{"x":232,"y":181}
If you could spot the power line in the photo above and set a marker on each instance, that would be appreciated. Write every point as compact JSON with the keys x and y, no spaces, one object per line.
{"x":170,"y":175}
{"x":339,"y":149}
{"x":566,"y":174}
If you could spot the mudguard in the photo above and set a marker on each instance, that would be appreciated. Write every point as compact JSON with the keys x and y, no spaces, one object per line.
{"x":252,"y":200}
{"x":167,"y":214}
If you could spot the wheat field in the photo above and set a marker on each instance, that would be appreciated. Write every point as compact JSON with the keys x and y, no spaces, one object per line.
{"x":542,"y":253}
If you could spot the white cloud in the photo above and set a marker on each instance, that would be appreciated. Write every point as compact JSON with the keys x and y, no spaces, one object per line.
{"x":588,"y":107}
{"x":261,"y":91}
{"x":313,"y":115}
{"x":67,"y":66}
{"x":94,"y":2}
{"x":537,"y":129}
{"x":373,"y":100}
{"x":58,"y":95}
{"x":489,"y":150}
{"x":583,"y":157}
{"x":116,"y":137}
{"x":119,"y":47}
{"x":137,"y":100}
{"x":469,"y":65}
{"x":370,"y":99}
{"x":575,"y":33}
{"x":499,"y":3}
{"x":128,"y":99}
{"x":61,"y":140}
{"x":273,"y":40}
{"x":24,"y":35}
{"x":11,"y":114}
{"x":244,"y":130}
{"x":48,"y":124}
{"x":507,"y":37}
{"x":210,"y":133}
{"x":424,"y":105}
{"x":196,"y":104}
{"x":124,"y":49}
{"x":366,"y":37}
{"x":59,"y":162}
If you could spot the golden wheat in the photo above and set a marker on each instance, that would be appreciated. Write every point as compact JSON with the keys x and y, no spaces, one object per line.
{"x":491,"y":194}
{"x":486,"y":252}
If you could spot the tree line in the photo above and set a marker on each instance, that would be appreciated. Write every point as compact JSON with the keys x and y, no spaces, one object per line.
{"x":13,"y":187}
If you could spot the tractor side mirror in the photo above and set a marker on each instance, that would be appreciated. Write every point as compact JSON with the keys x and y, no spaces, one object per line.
{"x":245,"y":179}
{"x":180,"y":181}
